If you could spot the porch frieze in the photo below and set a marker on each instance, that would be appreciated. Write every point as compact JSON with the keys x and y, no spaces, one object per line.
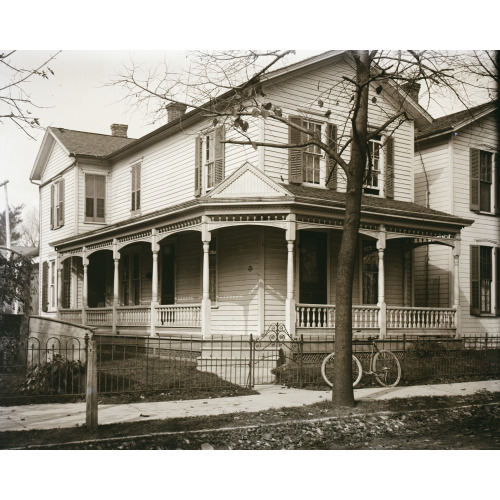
{"x":75,"y":252}
{"x":95,"y":247}
{"x":141,"y":236}
{"x":269,"y":220}
{"x":163,"y":232}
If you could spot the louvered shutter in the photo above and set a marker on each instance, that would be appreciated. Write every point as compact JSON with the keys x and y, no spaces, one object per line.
{"x":52,"y":187}
{"x":389,"y":167}
{"x":45,"y":285}
{"x":60,"y":222}
{"x":295,"y":154}
{"x":197,"y":167}
{"x":497,"y":183}
{"x":475,"y":184}
{"x":475,"y":280}
{"x":331,"y":170}
{"x":219,"y":148}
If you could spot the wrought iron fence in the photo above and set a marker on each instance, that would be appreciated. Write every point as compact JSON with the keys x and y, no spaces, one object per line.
{"x":54,"y":368}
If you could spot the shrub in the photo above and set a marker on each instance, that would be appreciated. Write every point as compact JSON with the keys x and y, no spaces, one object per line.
{"x":56,"y":377}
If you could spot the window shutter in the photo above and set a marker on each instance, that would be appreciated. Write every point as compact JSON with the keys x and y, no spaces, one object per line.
{"x":475,"y":185}
{"x":100,"y":193}
{"x":89,"y":196}
{"x":475,"y":288}
{"x":61,"y":203}
{"x":389,"y":167}
{"x":497,"y":183}
{"x":45,"y":285}
{"x":497,"y":278}
{"x":197,"y":167}
{"x":52,"y":206}
{"x":331,"y":170}
{"x":138,"y":170}
{"x":219,"y":146}
{"x":295,"y":154}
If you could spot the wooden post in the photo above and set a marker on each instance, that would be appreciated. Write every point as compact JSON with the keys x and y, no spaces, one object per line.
{"x":382,"y":321}
{"x":91,"y":412}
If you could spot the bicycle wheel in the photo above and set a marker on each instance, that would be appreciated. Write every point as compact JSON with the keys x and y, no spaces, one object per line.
{"x":327,"y":370}
{"x":387,"y":368}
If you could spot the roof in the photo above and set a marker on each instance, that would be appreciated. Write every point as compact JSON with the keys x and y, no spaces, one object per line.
{"x":374,"y":204}
{"x":88,"y":143}
{"x":455,"y":121}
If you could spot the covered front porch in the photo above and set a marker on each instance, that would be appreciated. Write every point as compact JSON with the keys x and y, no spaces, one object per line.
{"x":236,"y":275}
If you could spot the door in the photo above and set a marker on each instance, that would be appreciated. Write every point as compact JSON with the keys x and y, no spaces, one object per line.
{"x":168,"y":274}
{"x":313,"y":267}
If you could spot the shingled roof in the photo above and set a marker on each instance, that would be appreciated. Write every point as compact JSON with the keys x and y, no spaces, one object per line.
{"x":456,"y":120}
{"x":88,"y":143}
{"x":374,"y":204}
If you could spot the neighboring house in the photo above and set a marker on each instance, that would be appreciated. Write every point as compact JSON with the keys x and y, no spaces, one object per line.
{"x":178,"y":232}
{"x":457,"y":171}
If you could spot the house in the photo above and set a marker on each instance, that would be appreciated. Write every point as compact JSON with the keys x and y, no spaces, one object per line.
{"x":457,"y":171}
{"x":180,"y":232}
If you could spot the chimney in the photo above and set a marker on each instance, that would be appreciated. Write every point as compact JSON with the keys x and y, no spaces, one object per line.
{"x":175,"y":110}
{"x":119,"y":130}
{"x":412,"y":89}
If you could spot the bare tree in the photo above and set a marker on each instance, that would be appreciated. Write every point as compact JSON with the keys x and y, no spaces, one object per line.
{"x":16,"y":104}
{"x":30,"y":227}
{"x":228,"y":86}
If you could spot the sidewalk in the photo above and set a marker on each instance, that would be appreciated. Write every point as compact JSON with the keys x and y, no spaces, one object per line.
{"x":49,"y":416}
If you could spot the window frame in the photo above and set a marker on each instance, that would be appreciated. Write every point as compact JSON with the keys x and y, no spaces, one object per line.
{"x":95,"y":218}
{"x":315,"y":153}
{"x":370,"y":189}
{"x":210,"y":159}
{"x":52,"y":299}
{"x":136,"y":188}
{"x":484,"y":174}
{"x":57,"y":204}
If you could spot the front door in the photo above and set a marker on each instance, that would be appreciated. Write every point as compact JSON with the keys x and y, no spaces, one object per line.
{"x":313,"y":267}
{"x":168,"y":274}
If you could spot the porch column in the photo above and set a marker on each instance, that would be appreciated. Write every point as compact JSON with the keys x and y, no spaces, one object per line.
{"x":206,"y":304}
{"x":85,"y":286}
{"x":154,"y":281}
{"x":456,"y":286}
{"x":291,"y":233}
{"x":116,"y":259}
{"x":381,"y":244}
{"x":59,"y":287}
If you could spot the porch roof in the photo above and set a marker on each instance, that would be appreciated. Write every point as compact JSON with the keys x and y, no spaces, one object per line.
{"x":374,"y":207}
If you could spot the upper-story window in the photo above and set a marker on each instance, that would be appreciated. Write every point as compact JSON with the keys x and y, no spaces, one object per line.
{"x":379,"y":177}
{"x":57,"y":204}
{"x":135,"y":197}
{"x":95,"y":197}
{"x":209,"y":160}
{"x":484,"y":181}
{"x":309,"y":164}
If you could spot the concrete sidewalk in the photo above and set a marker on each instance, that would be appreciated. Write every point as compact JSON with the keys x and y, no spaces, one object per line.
{"x":50,"y":416}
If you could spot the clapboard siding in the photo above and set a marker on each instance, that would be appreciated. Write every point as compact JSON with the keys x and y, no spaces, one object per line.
{"x":275,"y":275}
{"x":238,"y":281}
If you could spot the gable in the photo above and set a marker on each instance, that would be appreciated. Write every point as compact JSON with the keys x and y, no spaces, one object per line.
{"x":247,"y":181}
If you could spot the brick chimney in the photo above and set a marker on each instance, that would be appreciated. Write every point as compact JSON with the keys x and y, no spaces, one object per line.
{"x":412,"y":89}
{"x":119,"y":130}
{"x":175,"y":110}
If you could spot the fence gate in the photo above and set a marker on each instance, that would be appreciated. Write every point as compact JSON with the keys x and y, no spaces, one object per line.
{"x":271,"y":353}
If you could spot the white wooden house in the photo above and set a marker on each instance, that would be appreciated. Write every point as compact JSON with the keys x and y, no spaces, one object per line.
{"x":178,"y":232}
{"x":457,"y":171}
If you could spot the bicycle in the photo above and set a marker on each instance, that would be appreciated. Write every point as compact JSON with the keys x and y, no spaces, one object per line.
{"x":384,"y":365}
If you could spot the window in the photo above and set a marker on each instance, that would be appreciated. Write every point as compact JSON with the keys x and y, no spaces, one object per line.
{"x":131,"y":278}
{"x":209,"y":160}
{"x":66,"y":284}
{"x":136,"y":188}
{"x":95,"y":197}
{"x":308,"y":163}
{"x":57,"y":204}
{"x":484,"y":181}
{"x":212,"y":269}
{"x":45,"y":285}
{"x":52,"y":284}
{"x":370,"y":271}
{"x":481,"y":260}
{"x":373,"y":173}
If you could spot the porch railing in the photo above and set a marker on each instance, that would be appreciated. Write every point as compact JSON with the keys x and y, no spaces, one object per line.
{"x":176,"y":315}
{"x":97,"y":316}
{"x":71,"y":315}
{"x":133,"y":316}
{"x":323,"y":316}
{"x":421,"y":318}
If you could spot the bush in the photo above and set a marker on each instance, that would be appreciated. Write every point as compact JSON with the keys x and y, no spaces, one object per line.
{"x":425,"y":348}
{"x":56,"y":377}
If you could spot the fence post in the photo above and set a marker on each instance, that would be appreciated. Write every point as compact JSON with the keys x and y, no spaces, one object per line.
{"x":91,"y":399}
{"x":250,"y":365}
{"x":301,"y":356}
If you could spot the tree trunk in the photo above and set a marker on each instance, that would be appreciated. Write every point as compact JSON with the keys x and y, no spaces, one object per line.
{"x":342,"y":391}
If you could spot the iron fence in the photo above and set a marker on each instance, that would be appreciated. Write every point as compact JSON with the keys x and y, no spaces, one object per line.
{"x":51,"y":368}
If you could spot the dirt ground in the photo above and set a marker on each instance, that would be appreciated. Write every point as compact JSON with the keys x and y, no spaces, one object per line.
{"x":444,"y":423}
